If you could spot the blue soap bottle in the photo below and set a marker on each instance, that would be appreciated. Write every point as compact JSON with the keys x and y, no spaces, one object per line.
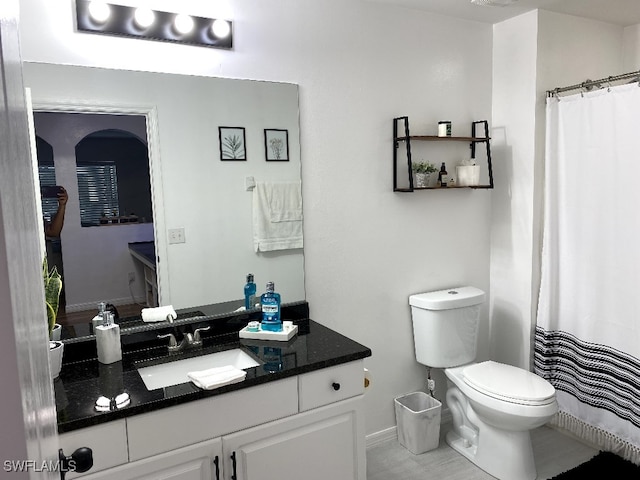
{"x":249,"y":293}
{"x":270,"y":301}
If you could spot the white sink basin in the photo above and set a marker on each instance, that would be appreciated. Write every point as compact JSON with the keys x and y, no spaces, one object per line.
{"x":175,"y":373}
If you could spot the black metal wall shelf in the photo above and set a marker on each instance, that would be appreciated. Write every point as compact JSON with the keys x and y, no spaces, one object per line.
{"x":473,"y":140}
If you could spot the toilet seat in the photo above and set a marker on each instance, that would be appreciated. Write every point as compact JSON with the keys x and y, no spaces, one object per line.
{"x":508,"y":383}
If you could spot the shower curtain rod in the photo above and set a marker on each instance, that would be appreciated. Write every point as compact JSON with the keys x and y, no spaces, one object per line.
{"x":589,"y":84}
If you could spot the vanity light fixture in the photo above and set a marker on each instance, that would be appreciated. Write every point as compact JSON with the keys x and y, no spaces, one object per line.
{"x":183,"y":24}
{"x":99,"y":17}
{"x":221,"y":28}
{"x":99,"y":11}
{"x":144,"y":17}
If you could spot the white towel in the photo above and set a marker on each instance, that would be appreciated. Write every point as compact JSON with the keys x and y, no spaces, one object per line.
{"x":277,"y":216}
{"x":216,"y":377}
{"x":158,"y":314}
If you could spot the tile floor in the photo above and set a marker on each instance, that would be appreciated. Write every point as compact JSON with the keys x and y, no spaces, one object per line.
{"x":388,"y":460}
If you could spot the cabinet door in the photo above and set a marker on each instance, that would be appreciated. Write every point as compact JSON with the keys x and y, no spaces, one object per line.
{"x":108,"y":442}
{"x":201,"y":461}
{"x":325,"y":443}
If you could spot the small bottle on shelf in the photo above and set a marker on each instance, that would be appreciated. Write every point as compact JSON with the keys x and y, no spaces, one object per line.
{"x":443,"y":176}
{"x":249,"y":293}
{"x":270,"y":301}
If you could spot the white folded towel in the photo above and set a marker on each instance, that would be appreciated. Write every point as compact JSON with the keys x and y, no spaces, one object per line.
{"x":277,"y":216}
{"x":158,"y":314}
{"x":217,"y":377}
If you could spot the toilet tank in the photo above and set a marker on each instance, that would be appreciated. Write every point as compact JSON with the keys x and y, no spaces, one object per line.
{"x":445,"y":326}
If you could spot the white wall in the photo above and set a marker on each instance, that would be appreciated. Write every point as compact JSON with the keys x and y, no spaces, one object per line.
{"x":534,"y":52}
{"x":514,"y":74}
{"x":631,"y":52}
{"x":358,"y":65}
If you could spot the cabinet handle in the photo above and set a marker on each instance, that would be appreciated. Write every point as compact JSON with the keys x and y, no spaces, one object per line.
{"x":336,"y":386}
{"x":79,"y":461}
{"x":216,"y":462}
{"x":233,"y":464}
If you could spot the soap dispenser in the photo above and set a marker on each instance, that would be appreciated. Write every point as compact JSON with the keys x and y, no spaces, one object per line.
{"x":108,"y":340}
{"x":99,"y":318}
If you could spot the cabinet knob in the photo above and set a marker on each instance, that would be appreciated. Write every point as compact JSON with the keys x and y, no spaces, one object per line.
{"x":336,"y":386}
{"x":79,"y":461}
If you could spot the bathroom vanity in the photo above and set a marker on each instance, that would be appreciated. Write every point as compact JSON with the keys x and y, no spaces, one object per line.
{"x":298,"y":414}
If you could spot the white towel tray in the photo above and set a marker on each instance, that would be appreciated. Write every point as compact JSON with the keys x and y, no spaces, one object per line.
{"x":288,"y":331}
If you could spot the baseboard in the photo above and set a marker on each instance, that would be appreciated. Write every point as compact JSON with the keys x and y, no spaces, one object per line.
{"x":80,"y":307}
{"x":381,"y":436}
{"x":391,"y":433}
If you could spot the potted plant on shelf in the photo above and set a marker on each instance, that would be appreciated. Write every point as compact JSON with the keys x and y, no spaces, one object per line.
{"x":422,"y":173}
{"x":52,"y":288}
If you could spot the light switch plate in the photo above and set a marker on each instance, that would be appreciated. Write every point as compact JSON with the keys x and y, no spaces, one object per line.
{"x":176,"y":235}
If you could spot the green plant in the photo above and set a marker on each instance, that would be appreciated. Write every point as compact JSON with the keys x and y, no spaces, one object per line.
{"x":52,"y":288}
{"x":423,"y":167}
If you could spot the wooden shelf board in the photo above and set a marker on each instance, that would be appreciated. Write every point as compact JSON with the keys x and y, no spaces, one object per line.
{"x":435,"y":138}
{"x":473,"y":187}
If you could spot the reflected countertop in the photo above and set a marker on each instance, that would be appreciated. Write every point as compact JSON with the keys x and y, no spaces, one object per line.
{"x":83,"y":380}
{"x":145,"y":252}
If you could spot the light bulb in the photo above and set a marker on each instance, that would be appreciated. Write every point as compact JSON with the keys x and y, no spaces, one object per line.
{"x":144,"y":17}
{"x":99,"y":11}
{"x":183,"y":23}
{"x":220,"y":28}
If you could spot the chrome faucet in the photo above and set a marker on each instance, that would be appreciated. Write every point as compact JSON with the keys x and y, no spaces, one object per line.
{"x":190,"y":340}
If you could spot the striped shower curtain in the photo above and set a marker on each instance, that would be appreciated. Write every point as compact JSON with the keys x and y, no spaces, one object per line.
{"x":587,"y":341}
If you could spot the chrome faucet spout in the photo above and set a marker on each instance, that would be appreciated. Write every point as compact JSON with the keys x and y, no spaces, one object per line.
{"x":189,"y":340}
{"x":172,"y":339}
{"x":196,"y":334}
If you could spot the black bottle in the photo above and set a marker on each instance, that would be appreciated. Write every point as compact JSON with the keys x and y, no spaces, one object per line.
{"x":443,"y":176}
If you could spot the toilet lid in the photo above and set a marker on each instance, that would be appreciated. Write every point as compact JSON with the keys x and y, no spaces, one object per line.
{"x":508,"y":382}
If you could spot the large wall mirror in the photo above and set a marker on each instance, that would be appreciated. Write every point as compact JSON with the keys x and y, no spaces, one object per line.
{"x":175,"y":120}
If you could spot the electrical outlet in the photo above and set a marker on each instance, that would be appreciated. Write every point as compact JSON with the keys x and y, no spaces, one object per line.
{"x":176,"y":235}
{"x":132,"y":277}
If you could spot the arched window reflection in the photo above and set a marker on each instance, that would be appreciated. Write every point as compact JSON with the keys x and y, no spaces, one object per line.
{"x":113,"y":178}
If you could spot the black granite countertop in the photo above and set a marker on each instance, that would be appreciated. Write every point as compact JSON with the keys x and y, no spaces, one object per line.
{"x":83,"y":380}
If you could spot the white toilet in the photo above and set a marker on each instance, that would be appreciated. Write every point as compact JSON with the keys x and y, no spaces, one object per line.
{"x":493,"y":405}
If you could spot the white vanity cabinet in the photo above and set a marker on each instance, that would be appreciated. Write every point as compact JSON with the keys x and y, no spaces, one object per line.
{"x":195,"y":462}
{"x":325,"y":443}
{"x":310,"y":426}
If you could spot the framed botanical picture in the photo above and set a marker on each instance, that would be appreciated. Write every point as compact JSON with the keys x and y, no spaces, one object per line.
{"x":276,"y":145}
{"x":232,"y":143}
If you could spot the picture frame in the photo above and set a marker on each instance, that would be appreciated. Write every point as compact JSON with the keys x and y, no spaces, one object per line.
{"x":233,"y":145}
{"x":276,"y":145}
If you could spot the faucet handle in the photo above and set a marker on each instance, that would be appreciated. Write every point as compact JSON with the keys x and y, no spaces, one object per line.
{"x":172,"y":339}
{"x":196,"y":334}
